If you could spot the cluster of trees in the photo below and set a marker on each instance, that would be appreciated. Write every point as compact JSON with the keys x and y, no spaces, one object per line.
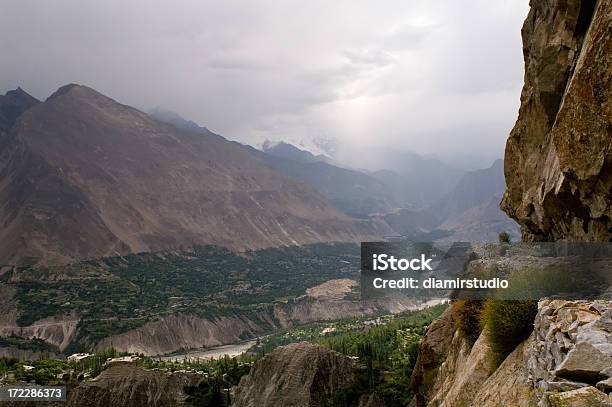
{"x":206,"y":277}
{"x":388,"y":353}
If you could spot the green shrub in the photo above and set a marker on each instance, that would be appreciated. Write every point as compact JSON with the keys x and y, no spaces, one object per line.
{"x":507,"y":323}
{"x":504,"y":237}
{"x":466,"y":314}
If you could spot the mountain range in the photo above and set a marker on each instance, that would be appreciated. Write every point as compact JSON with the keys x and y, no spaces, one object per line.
{"x":417,"y":197}
{"x":83,"y":176}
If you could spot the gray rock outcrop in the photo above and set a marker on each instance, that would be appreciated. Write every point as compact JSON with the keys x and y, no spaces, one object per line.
{"x":571,"y":350}
{"x":297,"y":375}
{"x":558,"y":157}
{"x":558,"y":168}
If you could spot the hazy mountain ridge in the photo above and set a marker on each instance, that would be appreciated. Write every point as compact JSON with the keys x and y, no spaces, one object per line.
{"x":173,"y":118}
{"x":473,"y":189}
{"x":291,"y":152}
{"x":471,"y":210}
{"x":12,"y":105}
{"x":354,"y":192}
{"x":465,"y":210}
{"x":481,"y":223}
{"x":468,"y":211}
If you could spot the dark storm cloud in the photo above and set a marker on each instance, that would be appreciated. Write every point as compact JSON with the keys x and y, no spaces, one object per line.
{"x":440,"y":76}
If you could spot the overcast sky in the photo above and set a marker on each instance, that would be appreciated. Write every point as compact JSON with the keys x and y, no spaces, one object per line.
{"x":428,"y":76}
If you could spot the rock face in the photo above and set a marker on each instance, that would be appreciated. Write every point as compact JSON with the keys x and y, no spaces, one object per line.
{"x":568,"y":350}
{"x":82,"y":176}
{"x":450,"y":373}
{"x":558,"y":168}
{"x":433,"y":351}
{"x":558,"y":160}
{"x":462,"y":374}
{"x":129,"y":385}
{"x":509,"y":384}
{"x":297,"y":375}
{"x":572,"y":349}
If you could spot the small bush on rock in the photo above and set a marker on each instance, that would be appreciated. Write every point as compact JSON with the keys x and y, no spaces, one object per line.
{"x":507,"y":324}
{"x":466,"y":314}
{"x":504,"y":237}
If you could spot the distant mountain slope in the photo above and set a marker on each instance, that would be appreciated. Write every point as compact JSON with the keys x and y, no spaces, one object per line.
{"x":465,"y":210}
{"x":473,"y":189}
{"x":12,"y":105}
{"x":410,"y":180}
{"x":101,"y":178}
{"x":469,"y":212}
{"x":418,"y":181}
{"x":482,"y":223}
{"x":354,"y":192}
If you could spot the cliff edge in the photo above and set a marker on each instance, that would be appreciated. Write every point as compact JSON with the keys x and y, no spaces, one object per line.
{"x":558,"y":159}
{"x":558,"y":168}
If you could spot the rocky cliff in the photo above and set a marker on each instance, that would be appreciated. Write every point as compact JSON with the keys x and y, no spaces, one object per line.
{"x":298,"y":375}
{"x":558,"y":160}
{"x":129,"y":385}
{"x":558,"y":168}
{"x":567,"y":359}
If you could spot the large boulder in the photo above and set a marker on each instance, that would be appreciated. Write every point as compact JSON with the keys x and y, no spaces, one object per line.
{"x":509,"y":384}
{"x":584,"y":362}
{"x":571,"y":350}
{"x":584,"y":397}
